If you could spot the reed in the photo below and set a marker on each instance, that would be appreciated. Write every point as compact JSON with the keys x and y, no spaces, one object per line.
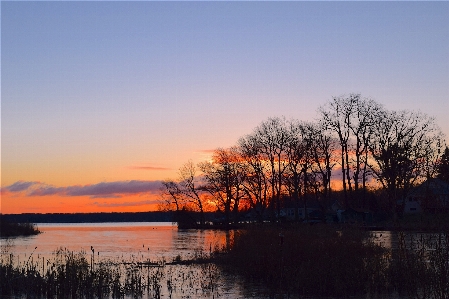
{"x":74,"y":275}
{"x":320,"y":261}
{"x":419,"y":267}
{"x":292,"y":262}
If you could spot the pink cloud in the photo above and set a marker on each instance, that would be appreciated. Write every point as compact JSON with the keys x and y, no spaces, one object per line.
{"x":99,"y":190}
{"x":149,"y":168}
{"x":125,"y":204}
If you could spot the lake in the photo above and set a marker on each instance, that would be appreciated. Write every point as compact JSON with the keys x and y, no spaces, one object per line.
{"x":137,"y":242}
{"x":152,"y":240}
{"x":133,"y":242}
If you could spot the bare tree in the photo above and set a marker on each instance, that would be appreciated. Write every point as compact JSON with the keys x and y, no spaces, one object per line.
{"x":190,"y":187}
{"x":224,"y":176}
{"x":366,"y":114}
{"x":443,"y":166}
{"x":256,"y":183}
{"x":405,"y":151}
{"x":296,"y":156}
{"x":350,"y":118}
{"x":323,"y":150}
{"x":186,"y":192}
{"x":336,"y":116}
{"x":172,"y":198}
{"x":273,"y":137}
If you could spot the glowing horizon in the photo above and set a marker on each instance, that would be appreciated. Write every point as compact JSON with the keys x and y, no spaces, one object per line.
{"x":102,"y":94}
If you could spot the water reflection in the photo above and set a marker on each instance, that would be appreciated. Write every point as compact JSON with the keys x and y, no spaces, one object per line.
{"x":392,"y":239}
{"x":142,"y":242}
{"x":148,"y":240}
{"x":132,"y":243}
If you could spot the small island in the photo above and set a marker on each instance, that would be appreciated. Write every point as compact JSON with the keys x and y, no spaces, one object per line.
{"x":13,"y":229}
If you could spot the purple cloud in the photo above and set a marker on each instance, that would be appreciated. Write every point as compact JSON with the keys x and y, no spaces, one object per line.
{"x":125,"y":204}
{"x":20,"y":186}
{"x":44,"y":190}
{"x":148,"y":168}
{"x":106,"y":196}
{"x":108,"y":188}
{"x":100,"y":190}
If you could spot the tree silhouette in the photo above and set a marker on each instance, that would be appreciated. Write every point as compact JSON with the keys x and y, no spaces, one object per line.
{"x":443,"y":166}
{"x":291,"y":160}
{"x":223,"y":177}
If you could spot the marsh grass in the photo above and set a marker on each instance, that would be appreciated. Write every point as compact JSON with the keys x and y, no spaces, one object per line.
{"x":320,"y":261}
{"x":73,"y":275}
{"x":419,"y":267}
{"x":286,"y":262}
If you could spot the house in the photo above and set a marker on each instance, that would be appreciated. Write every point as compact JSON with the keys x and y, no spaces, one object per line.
{"x":311,"y":211}
{"x":432,"y":195}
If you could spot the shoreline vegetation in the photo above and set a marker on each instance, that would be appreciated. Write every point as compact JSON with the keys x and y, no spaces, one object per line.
{"x":356,"y":162}
{"x":420,"y":222}
{"x":294,"y":260}
{"x":14,"y":229}
{"x":319,"y":261}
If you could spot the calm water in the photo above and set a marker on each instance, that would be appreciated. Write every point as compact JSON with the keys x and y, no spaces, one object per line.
{"x":140,"y":241}
{"x":143,"y":241}
{"x":152,"y":240}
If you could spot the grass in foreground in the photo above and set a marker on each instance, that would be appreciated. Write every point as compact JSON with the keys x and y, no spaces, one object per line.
{"x":75,"y":275}
{"x":296,"y":262}
{"x":319,"y":261}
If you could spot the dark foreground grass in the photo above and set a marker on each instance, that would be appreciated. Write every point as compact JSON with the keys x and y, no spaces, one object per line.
{"x":68,"y":275}
{"x":77,"y":275}
{"x":320,"y":261}
{"x":295,"y":262}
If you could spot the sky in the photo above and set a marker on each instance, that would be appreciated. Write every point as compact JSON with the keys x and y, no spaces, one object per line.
{"x":100,"y":101}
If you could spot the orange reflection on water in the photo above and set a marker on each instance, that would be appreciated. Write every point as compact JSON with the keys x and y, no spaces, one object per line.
{"x":144,"y":241}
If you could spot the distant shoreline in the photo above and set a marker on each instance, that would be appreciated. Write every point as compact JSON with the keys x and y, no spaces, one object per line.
{"x":155,"y":216}
{"x":89,"y":217}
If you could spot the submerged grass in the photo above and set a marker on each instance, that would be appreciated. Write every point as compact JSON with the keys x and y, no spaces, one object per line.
{"x":307,"y":260}
{"x":289,"y":262}
{"x":73,"y":275}
{"x":320,"y":261}
{"x":419,"y":267}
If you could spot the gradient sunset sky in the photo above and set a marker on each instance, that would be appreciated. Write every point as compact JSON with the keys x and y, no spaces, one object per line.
{"x":102,"y":100}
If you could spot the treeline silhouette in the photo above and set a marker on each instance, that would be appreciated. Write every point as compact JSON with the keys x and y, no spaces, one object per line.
{"x":88,"y":217}
{"x":355,"y":145}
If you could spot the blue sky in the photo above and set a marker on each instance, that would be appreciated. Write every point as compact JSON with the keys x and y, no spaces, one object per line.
{"x":111,"y":91}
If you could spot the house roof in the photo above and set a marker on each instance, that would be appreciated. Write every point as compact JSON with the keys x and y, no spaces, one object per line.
{"x":432,"y":186}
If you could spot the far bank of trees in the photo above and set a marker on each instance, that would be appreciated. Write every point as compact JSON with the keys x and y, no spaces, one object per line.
{"x":355,"y":147}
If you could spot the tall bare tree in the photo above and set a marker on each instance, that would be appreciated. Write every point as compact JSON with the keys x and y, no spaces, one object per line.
{"x":443,"y":166}
{"x":350,"y":118}
{"x":323,"y":150}
{"x":335,"y":115}
{"x":405,"y":150}
{"x":190,"y":187}
{"x":296,"y":156}
{"x":186,"y":192}
{"x":256,"y":184}
{"x":172,"y":198}
{"x":273,"y":137}
{"x":224,"y":177}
